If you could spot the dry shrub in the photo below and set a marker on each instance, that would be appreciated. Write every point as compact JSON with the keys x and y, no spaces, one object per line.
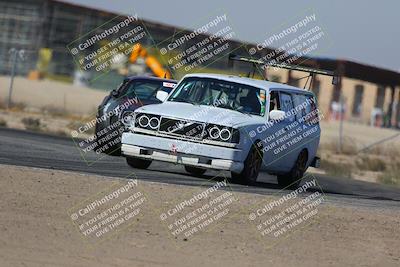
{"x":337,"y":169}
{"x":3,"y":123}
{"x":349,"y":146}
{"x":32,"y":124}
{"x":53,"y":111}
{"x":391,"y":176}
{"x":391,"y":150}
{"x":18,"y":106}
{"x":369,"y":163}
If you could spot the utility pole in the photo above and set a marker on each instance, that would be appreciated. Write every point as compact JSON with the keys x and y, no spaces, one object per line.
{"x":338,"y":87}
{"x":15,"y":54}
{"x":341,"y":101}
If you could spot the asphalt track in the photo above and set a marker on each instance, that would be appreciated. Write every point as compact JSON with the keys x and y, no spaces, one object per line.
{"x":60,"y":153}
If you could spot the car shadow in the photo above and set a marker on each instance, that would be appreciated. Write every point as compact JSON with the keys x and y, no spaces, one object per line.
{"x":214,"y":176}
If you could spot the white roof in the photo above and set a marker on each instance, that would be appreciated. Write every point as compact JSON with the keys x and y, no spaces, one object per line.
{"x":248,"y":81}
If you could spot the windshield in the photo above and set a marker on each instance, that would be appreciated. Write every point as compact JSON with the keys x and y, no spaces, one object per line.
{"x":219,"y":93}
{"x":144,"y":89}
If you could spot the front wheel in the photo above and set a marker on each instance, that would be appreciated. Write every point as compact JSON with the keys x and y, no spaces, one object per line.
{"x":194,"y":170}
{"x":138,"y":163}
{"x":293,"y":178}
{"x":114,"y":150}
{"x":111,"y":150}
{"x":251,"y":168}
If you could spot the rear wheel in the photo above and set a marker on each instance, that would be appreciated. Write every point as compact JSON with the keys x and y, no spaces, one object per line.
{"x":293,"y":178}
{"x":194,"y":170}
{"x":251,"y":168}
{"x":138,"y":163}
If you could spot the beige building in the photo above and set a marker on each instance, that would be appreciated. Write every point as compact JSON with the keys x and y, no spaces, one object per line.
{"x":370,"y":95}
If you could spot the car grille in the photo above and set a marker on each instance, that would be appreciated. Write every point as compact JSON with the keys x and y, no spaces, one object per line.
{"x":186,"y":129}
{"x":182,"y":128}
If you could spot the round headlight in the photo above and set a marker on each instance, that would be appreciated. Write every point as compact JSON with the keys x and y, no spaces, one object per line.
{"x":154,"y":123}
{"x":214,"y":132}
{"x":225,"y":134}
{"x":127,"y":118}
{"x":143,"y":121}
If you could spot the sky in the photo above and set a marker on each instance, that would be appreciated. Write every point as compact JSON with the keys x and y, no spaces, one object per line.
{"x":363,"y":31}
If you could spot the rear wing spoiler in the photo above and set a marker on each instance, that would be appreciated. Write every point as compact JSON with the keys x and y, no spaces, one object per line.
{"x":311,"y":71}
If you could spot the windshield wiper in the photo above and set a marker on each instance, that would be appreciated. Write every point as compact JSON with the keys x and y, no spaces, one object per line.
{"x":184,"y":100}
{"x":241,"y":111}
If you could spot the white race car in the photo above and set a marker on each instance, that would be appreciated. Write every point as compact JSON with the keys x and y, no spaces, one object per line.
{"x":222,"y":122}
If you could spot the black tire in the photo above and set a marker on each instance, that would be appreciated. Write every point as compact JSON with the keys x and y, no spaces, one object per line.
{"x":195,"y":170}
{"x":252,"y":166}
{"x":293,"y":178}
{"x":138,"y":163}
{"x":114,"y":150}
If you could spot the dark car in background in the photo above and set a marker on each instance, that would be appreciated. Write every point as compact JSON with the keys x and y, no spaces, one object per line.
{"x":116,"y":110}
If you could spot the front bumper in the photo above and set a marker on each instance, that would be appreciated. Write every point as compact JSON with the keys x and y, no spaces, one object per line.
{"x":181,"y":152}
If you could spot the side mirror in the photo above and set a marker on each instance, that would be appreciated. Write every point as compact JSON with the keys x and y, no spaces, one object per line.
{"x":161,"y":95}
{"x":114,"y":93}
{"x":277,"y":115}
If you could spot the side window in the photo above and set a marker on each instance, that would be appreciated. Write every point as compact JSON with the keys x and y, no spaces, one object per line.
{"x":143,"y":89}
{"x":301,"y":105}
{"x":314,"y":116}
{"x":287,"y":105}
{"x":274,"y":103}
{"x":306,"y":107}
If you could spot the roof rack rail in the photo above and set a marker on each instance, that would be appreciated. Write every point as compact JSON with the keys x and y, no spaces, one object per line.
{"x":311,"y":71}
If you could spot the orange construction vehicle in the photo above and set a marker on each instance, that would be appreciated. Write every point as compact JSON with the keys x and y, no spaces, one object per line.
{"x":151,"y":62}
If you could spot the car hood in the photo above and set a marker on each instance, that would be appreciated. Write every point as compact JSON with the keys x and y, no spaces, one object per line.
{"x":202,"y":113}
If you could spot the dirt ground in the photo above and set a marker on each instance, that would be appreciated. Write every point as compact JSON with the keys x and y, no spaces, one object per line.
{"x":46,"y":94}
{"x":37,"y":228}
{"x":361,"y":135}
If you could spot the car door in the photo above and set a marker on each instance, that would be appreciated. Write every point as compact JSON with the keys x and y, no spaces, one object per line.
{"x":308,"y":118}
{"x":278,"y":148}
